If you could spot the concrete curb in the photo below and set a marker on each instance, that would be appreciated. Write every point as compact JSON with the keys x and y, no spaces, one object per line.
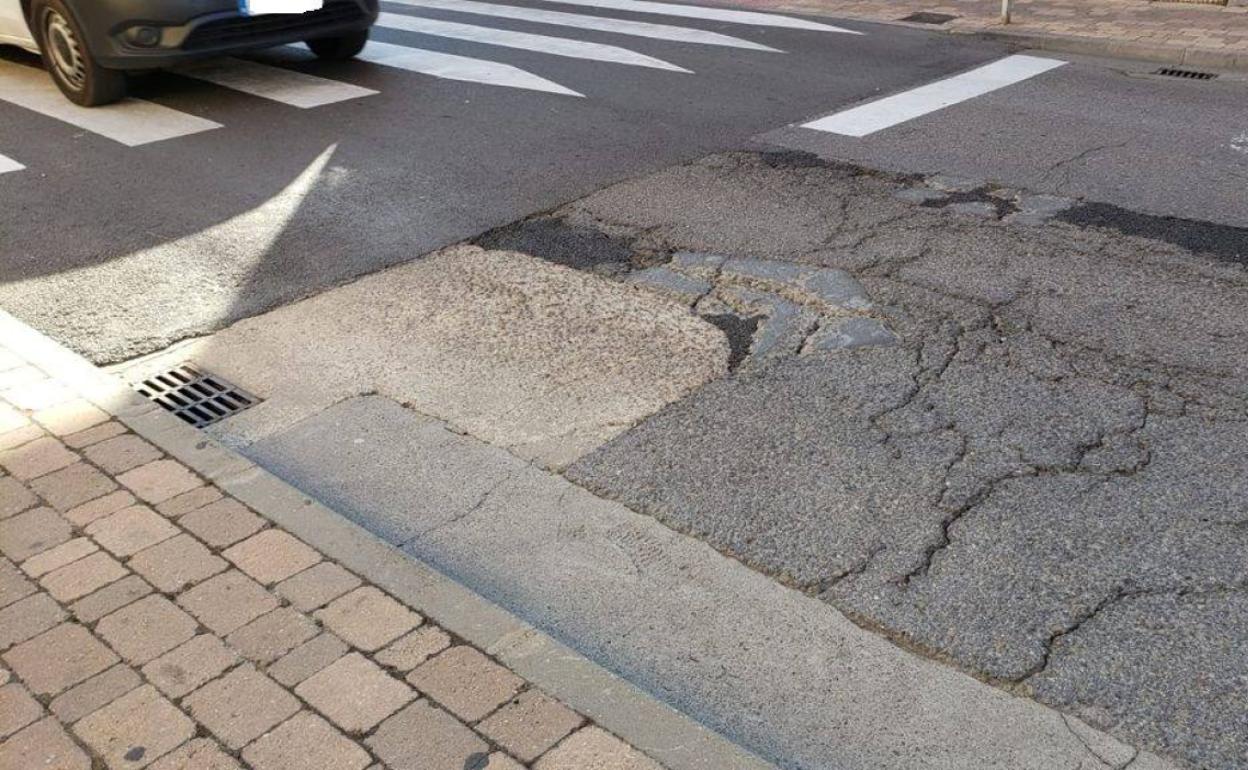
{"x":660,"y":731}
{"x":1206,"y":58}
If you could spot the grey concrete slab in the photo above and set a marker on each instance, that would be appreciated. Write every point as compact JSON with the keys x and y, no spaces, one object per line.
{"x":783,"y":673}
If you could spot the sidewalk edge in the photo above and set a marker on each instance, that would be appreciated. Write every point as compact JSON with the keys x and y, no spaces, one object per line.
{"x":658,"y":730}
{"x":1190,"y":56}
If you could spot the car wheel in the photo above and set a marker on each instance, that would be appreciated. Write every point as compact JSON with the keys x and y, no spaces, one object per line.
{"x":340,"y":47}
{"x":73,"y":68}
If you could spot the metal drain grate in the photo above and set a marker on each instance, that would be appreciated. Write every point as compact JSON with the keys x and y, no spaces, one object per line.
{"x":1174,"y":72}
{"x":923,"y":17}
{"x":194,"y":396}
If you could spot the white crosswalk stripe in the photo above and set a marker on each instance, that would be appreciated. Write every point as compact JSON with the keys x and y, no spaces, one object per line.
{"x":597,"y":23}
{"x":908,"y":105}
{"x":7,"y":164}
{"x":554,"y":46}
{"x":753,"y":18}
{"x":452,"y":67}
{"x":131,"y":122}
{"x":274,"y":83}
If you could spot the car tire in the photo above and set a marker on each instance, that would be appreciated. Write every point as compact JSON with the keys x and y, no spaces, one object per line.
{"x":71,"y":65}
{"x":341,"y":47}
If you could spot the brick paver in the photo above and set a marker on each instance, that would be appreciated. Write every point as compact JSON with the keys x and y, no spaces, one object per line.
{"x":147,"y":620}
{"x":1179,"y":26}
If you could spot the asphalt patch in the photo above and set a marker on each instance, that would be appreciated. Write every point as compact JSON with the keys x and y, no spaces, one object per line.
{"x":740,"y":333}
{"x":1221,"y":241}
{"x":554,"y":240}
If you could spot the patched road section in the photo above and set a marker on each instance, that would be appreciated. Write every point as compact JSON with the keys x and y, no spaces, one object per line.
{"x":542,"y":360}
{"x":1042,"y":480}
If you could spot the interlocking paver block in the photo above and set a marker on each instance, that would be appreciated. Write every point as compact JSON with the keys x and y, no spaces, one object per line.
{"x":176,"y":563}
{"x":305,"y":742}
{"x":13,"y":439}
{"x":73,"y":581}
{"x":37,"y":458}
{"x":317,"y":585}
{"x":111,"y":597}
{"x":94,"y":435}
{"x":465,"y":682}
{"x":13,"y":584}
{"x":354,"y":693}
{"x":500,"y":761}
{"x":595,"y":749}
{"x":421,"y":736}
{"x":95,"y":693}
{"x":147,"y":628}
{"x":199,"y":754}
{"x":14,"y":497}
{"x":408,"y":652}
{"x":120,"y":454}
{"x":70,"y":417}
{"x":72,"y":486}
{"x":189,"y":501}
{"x":27,"y":618}
{"x":180,"y":671}
{"x":136,"y":729}
{"x":222,"y":523}
{"x":59,"y":658}
{"x":368,"y":618}
{"x":17,"y":709}
{"x":26,"y":534}
{"x":54,"y":558}
{"x":86,"y":513}
{"x":241,"y":706}
{"x":35,"y":396}
{"x":227,"y":601}
{"x":272,"y":555}
{"x":308,"y":658}
{"x":530,"y":724}
{"x":272,"y":635}
{"x":43,"y":745}
{"x":130,"y":530}
{"x":158,"y":481}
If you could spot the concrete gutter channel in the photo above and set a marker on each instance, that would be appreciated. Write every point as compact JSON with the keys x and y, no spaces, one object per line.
{"x":887,"y":707}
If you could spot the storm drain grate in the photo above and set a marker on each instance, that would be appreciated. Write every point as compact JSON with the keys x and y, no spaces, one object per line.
{"x":1175,"y":72}
{"x":923,"y":17}
{"x":195,"y":396}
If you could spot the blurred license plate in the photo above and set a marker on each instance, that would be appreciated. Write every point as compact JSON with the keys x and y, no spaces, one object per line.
{"x":263,"y":7}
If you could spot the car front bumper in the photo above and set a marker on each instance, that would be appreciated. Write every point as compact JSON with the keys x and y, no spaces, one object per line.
{"x":148,"y":34}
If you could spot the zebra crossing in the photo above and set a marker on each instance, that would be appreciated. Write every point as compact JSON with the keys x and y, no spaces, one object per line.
{"x":136,"y":122}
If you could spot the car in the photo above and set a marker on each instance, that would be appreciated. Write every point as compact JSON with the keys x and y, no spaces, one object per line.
{"x":89,"y":46}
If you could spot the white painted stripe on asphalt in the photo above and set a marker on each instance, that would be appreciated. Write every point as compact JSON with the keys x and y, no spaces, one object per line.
{"x":452,"y":67}
{"x":7,"y":164}
{"x":132,"y":122}
{"x":908,"y":105}
{"x":275,"y":83}
{"x":555,"y":46}
{"x":715,"y":14}
{"x":581,"y":21}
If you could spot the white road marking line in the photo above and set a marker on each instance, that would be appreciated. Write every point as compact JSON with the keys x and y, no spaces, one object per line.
{"x":276,"y":83}
{"x":555,"y":46}
{"x":7,"y":164}
{"x":752,"y":18}
{"x":132,"y":122}
{"x":599,"y":23}
{"x":451,"y":67}
{"x":899,"y":108}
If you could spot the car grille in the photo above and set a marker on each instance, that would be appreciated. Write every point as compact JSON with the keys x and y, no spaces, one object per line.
{"x":244,"y":30}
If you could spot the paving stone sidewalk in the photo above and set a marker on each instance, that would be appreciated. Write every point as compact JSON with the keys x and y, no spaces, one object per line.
{"x":148,"y":620}
{"x":1191,"y":33}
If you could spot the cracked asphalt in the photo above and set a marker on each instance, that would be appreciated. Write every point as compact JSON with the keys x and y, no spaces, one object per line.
{"x":1043,"y":482}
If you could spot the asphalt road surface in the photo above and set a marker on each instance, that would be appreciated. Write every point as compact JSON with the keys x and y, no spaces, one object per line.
{"x":94,"y":230}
